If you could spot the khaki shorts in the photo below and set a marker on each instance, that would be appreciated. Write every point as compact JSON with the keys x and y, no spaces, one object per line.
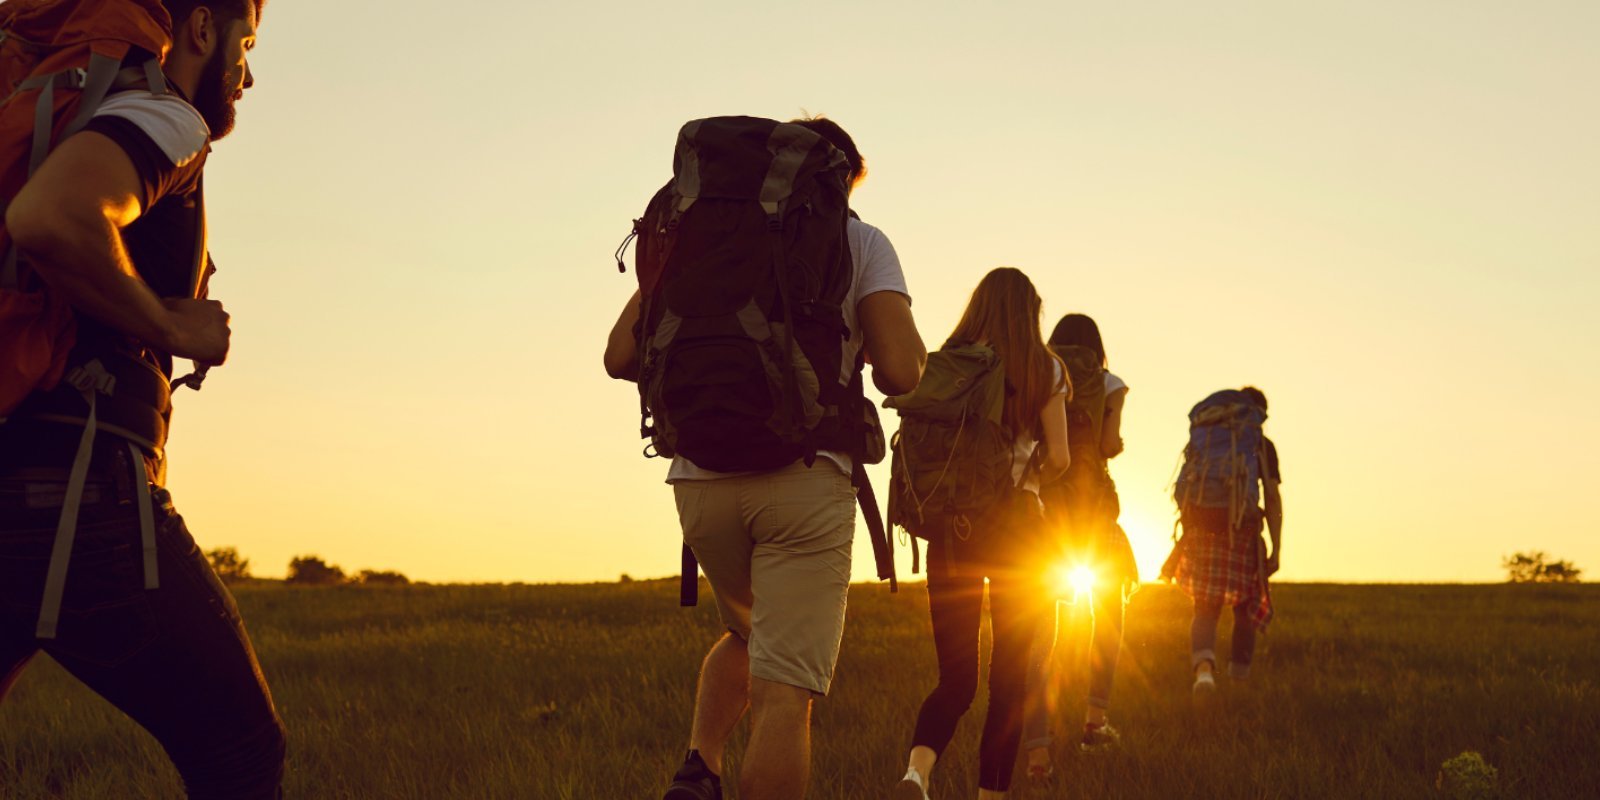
{"x":776,"y":548}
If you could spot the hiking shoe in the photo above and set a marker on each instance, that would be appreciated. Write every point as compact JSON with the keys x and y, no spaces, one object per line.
{"x":1043,"y":770}
{"x":909,"y":788}
{"x":1099,"y":738}
{"x":694,"y":781}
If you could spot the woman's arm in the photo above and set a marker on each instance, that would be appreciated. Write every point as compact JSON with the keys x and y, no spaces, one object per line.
{"x":1111,"y":430}
{"x":1053,"y":421}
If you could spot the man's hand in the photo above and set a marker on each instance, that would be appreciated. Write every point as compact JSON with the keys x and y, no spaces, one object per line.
{"x":197,"y":330}
{"x":1272,"y":565}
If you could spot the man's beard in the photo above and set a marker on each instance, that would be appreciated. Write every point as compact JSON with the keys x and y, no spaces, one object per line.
{"x":213,"y":99}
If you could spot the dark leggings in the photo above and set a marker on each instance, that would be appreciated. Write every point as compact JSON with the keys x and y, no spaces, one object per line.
{"x":955,"y":602}
{"x":176,"y":659}
{"x":1203,"y":637}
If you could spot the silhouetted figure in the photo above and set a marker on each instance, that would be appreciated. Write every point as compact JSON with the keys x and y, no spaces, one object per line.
{"x":96,"y":566}
{"x":1005,"y":542}
{"x":1230,"y":470}
{"x":750,"y":253}
{"x":1082,"y":509}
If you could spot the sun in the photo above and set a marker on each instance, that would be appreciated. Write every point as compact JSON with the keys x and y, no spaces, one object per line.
{"x":1075,"y":579}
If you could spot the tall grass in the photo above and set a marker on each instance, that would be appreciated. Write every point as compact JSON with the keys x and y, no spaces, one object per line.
{"x":585,"y":692}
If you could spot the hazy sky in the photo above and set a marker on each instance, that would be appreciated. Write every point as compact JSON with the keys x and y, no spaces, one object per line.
{"x":1383,"y":214}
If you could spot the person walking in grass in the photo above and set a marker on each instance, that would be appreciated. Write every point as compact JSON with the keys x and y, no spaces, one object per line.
{"x":96,"y":567}
{"x":770,"y":519}
{"x":1230,"y":471}
{"x":1082,"y":508}
{"x":1001,"y":546}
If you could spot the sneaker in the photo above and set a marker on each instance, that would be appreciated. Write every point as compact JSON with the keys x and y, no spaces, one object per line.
{"x":1099,"y":738}
{"x":910,"y":787}
{"x":1039,"y":766}
{"x":1205,"y":685}
{"x":694,"y":781}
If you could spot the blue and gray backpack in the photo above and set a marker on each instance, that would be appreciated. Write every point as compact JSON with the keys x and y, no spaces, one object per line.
{"x":1221,"y":470}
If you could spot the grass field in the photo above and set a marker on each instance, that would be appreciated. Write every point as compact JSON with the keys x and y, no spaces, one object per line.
{"x":585,"y":691}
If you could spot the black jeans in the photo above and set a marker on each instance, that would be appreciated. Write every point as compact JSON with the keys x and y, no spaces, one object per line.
{"x":955,"y":603}
{"x":176,"y":659}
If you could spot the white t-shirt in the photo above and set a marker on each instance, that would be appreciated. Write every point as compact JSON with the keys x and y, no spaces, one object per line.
{"x":1114,"y":384}
{"x":1022,"y":449}
{"x":1025,"y":445}
{"x":876,"y":269}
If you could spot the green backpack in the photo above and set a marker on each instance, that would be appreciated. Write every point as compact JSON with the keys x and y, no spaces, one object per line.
{"x":953,"y":454}
{"x":1084,"y":497}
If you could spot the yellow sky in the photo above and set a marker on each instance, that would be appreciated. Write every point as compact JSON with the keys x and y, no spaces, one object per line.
{"x":1383,"y":215}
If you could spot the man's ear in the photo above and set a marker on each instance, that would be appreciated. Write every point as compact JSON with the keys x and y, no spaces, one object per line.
{"x":198,"y":33}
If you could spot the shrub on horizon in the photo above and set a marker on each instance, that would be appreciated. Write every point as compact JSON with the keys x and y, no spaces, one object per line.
{"x":1537,"y":567}
{"x":388,"y":577}
{"x":313,"y":571}
{"x":228,"y":564}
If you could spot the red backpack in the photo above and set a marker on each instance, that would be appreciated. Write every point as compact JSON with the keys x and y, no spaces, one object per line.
{"x":58,"y":61}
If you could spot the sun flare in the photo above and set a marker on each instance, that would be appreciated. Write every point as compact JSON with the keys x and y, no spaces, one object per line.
{"x":1077,"y":580}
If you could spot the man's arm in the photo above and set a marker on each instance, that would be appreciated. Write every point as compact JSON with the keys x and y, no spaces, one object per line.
{"x":891,"y":342}
{"x":1274,"y":501}
{"x":622,"y":351}
{"x":67,"y":221}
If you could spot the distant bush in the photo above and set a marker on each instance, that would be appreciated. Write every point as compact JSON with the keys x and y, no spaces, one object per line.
{"x":313,"y":571}
{"x":1536,"y":567}
{"x":229,"y":565}
{"x":386,"y":577}
{"x":626,"y":578}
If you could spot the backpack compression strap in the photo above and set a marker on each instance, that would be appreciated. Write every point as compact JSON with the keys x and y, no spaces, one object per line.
{"x":92,"y":380}
{"x":881,"y":551}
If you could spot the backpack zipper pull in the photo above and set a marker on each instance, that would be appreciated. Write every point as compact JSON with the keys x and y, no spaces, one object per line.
{"x":623,"y":248}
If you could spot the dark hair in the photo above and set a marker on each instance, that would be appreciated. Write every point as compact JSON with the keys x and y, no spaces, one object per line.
{"x":225,"y":10}
{"x":1080,"y":330}
{"x":836,"y":136}
{"x":1256,"y":396}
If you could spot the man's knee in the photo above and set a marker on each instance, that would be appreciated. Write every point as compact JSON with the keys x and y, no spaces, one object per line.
{"x":778,"y":695}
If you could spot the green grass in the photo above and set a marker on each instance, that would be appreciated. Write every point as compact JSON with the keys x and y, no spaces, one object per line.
{"x":585,"y":692}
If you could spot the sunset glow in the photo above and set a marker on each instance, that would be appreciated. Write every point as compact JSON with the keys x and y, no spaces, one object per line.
{"x":1347,"y":205}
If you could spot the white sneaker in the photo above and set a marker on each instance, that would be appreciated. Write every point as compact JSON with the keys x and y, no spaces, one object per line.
{"x":910,"y":787}
{"x":1205,"y":684}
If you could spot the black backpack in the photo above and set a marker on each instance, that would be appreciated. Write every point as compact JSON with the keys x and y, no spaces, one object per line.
{"x":744,"y":267}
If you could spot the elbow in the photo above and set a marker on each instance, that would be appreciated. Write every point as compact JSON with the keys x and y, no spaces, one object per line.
{"x":897,"y":379}
{"x":35,"y":233}
{"x":619,"y":368}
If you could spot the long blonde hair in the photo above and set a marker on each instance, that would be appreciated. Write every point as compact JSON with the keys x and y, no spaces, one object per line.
{"x":1005,"y":311}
